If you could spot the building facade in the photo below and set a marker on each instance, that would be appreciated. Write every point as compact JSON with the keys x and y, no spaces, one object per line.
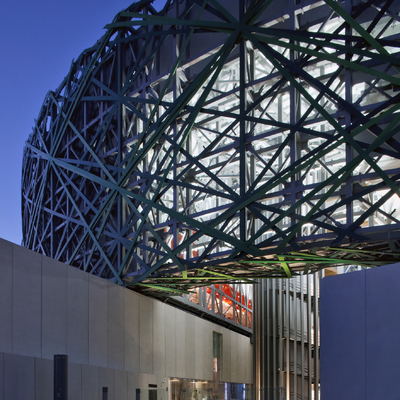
{"x":216,"y":142}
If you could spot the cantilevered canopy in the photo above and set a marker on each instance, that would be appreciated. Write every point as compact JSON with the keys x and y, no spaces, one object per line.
{"x":222,"y":140}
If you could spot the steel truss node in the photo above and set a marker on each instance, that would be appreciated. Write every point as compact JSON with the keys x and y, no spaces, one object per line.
{"x":222,"y":141}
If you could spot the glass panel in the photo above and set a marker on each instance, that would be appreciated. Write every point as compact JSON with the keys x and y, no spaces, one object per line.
{"x":185,"y":389}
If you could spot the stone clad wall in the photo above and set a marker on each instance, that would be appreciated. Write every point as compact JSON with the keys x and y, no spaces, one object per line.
{"x":109,"y":333}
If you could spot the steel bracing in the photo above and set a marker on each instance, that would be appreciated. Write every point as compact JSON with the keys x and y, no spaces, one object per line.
{"x":219,"y":141}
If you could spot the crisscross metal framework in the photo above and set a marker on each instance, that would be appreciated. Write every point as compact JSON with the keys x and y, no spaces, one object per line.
{"x":219,"y":141}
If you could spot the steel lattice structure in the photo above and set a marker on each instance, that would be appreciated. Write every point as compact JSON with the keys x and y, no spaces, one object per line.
{"x":212,"y":142}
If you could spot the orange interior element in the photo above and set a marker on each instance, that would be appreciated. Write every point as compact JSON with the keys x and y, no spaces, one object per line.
{"x":195,"y":253}
{"x":227,"y":290}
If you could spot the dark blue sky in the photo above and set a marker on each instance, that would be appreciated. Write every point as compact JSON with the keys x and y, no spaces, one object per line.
{"x":39,"y":40}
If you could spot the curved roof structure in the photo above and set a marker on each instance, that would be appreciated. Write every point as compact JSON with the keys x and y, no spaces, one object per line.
{"x":222,"y":140}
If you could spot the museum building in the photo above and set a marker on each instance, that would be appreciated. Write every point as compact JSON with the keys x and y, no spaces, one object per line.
{"x":185,"y":189}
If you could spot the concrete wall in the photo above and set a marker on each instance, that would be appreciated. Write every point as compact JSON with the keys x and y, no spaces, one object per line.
{"x":108,"y":332}
{"x":360,"y":325}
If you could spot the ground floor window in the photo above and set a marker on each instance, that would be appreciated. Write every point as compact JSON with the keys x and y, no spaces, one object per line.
{"x":188,"y":389}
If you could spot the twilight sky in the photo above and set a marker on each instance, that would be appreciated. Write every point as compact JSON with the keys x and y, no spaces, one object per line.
{"x":39,"y":40}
